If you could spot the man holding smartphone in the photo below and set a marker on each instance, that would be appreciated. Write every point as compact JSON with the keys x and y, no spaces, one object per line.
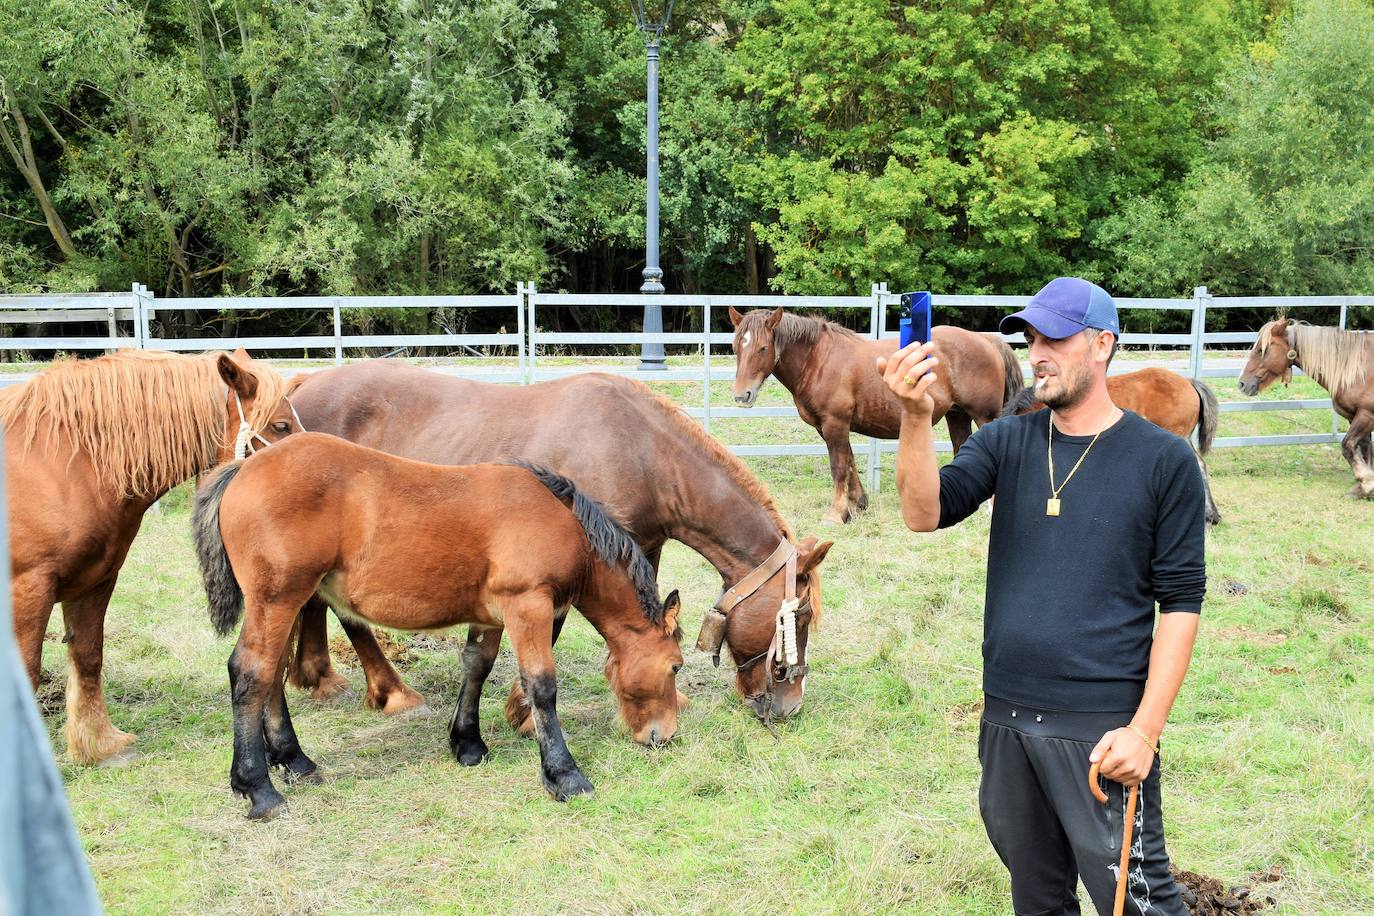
{"x":1098,"y":519}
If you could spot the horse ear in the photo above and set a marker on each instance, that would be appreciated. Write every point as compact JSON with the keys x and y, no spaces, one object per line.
{"x":672,"y":606}
{"x":775,"y":319}
{"x":810,"y":554}
{"x":735,"y":316}
{"x":239,"y":379}
{"x":242,"y":356}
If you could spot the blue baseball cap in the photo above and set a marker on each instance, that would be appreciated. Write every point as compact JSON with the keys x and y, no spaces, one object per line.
{"x":1066,"y":306}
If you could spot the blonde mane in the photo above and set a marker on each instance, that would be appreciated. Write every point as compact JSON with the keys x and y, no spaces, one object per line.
{"x":147,"y":420}
{"x":1335,"y":359}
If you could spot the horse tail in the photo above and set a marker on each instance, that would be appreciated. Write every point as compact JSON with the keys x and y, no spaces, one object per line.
{"x":610,"y":542}
{"x":1021,"y":402}
{"x":1207,"y":415}
{"x":1013,"y":381}
{"x":221,"y":586}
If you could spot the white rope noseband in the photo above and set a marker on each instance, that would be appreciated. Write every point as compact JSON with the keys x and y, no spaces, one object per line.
{"x":243,"y":443}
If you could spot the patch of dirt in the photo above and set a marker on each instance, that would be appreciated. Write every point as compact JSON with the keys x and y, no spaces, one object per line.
{"x":1233,"y":589}
{"x":1254,"y":637}
{"x":963,"y":712}
{"x":396,"y":647}
{"x":1210,"y":897}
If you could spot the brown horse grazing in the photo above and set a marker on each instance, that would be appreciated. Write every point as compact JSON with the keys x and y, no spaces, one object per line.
{"x":652,"y":467}
{"x":829,"y":370}
{"x":418,"y":546}
{"x":91,"y":445}
{"x":1336,"y":359}
{"x":1165,"y":398}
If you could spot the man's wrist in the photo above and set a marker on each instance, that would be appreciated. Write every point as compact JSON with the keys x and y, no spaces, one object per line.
{"x":1151,"y":740}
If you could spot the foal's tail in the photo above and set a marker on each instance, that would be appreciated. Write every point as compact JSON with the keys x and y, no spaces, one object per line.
{"x":1013,"y":380}
{"x":221,"y":586}
{"x":1207,"y":415}
{"x":610,"y":542}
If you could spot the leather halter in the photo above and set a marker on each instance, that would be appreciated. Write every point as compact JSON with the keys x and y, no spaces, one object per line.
{"x":783,"y":660}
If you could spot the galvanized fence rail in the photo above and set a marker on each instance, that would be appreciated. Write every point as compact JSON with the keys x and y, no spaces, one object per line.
{"x":128,"y":319}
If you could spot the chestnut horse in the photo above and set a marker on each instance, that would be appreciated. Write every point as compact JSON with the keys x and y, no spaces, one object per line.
{"x":653,"y":468}
{"x":417,"y":546}
{"x":829,"y":370}
{"x":91,"y":445}
{"x":1334,"y":358}
{"x":1165,"y":398}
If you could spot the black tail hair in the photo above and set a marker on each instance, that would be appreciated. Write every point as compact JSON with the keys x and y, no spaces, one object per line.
{"x":1021,"y":402}
{"x":1014,"y":381}
{"x":610,"y":542}
{"x":221,"y":586}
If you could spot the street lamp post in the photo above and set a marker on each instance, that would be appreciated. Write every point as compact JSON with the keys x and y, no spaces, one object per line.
{"x":651,"y":354}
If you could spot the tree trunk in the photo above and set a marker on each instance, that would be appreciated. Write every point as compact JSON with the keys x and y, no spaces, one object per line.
{"x":751,"y":260}
{"x":27,"y":163}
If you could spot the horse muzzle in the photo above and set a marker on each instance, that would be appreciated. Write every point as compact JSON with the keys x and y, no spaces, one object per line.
{"x":747,"y":397}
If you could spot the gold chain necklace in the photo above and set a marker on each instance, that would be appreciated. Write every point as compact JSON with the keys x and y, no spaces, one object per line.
{"x":1052,"y":504}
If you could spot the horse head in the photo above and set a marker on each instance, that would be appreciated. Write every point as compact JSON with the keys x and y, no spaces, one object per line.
{"x":768,"y":645}
{"x":1271,"y":358}
{"x":756,"y":351}
{"x":256,"y":410}
{"x":642,"y":668}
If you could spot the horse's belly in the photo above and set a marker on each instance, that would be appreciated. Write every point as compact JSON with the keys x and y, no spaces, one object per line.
{"x":405,"y":608}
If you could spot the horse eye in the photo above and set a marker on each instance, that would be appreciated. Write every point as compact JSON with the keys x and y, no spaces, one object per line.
{"x":282,"y":427}
{"x":677,"y":668}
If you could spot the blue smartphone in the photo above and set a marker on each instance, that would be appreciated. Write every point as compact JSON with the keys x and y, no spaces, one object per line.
{"x":913,"y":324}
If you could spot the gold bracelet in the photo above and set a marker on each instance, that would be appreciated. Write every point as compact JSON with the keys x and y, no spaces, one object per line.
{"x":1140,"y":734}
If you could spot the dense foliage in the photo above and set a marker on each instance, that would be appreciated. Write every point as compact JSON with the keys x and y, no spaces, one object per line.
{"x":208,"y":147}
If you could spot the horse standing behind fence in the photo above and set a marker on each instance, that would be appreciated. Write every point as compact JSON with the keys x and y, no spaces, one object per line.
{"x":830,"y":372}
{"x":417,"y":546}
{"x":1165,"y":398}
{"x":90,"y":445}
{"x":1339,"y":361}
{"x":653,"y":467}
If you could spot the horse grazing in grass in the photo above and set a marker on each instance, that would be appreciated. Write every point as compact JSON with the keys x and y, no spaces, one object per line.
{"x":418,"y":546}
{"x":1165,"y":398}
{"x":653,"y":468}
{"x":829,"y":370}
{"x":90,"y":445}
{"x":1334,"y":358}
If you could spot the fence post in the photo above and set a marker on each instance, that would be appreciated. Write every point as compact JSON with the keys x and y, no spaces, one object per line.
{"x":877,"y":322}
{"x":338,"y":333}
{"x":521,"y":289}
{"x":1335,"y":417}
{"x":706,"y":355}
{"x":1201,"y":299}
{"x":533,"y":333}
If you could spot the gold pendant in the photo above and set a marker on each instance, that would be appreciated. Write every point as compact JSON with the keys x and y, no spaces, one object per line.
{"x":1052,"y":507}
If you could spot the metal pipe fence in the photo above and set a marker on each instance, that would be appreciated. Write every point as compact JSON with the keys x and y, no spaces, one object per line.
{"x":130,"y":320}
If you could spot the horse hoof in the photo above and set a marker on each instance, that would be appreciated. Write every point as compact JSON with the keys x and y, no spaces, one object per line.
{"x":472,"y":753}
{"x":404,"y":701}
{"x":267,"y":804}
{"x":120,"y":759}
{"x":832,"y":519}
{"x":568,"y":785}
{"x":333,"y":686}
{"x":302,"y":772}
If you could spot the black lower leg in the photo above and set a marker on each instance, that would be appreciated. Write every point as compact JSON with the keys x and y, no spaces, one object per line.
{"x":464,"y":733}
{"x":283,"y":748}
{"x":248,"y":774}
{"x":561,"y":776}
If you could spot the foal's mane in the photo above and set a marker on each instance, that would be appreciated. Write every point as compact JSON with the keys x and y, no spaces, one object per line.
{"x":146,"y":419}
{"x":1333,"y":357}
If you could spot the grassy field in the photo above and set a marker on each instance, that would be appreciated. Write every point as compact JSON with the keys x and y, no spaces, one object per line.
{"x":864,"y":803}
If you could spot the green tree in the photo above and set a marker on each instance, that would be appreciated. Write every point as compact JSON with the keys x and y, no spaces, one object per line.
{"x":1282,"y":202}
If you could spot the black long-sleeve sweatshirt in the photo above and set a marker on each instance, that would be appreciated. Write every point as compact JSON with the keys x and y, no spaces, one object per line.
{"x":1070,"y":606}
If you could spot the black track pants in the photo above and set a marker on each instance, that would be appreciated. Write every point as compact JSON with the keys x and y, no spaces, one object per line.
{"x":1047,"y":827}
